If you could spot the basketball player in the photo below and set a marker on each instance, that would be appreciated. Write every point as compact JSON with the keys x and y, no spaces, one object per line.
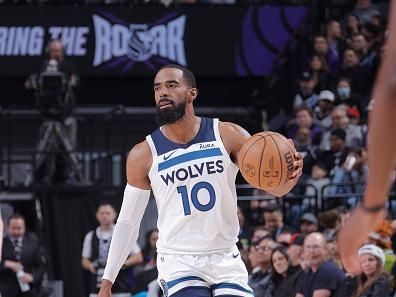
{"x":382,"y":157}
{"x":190,"y":164}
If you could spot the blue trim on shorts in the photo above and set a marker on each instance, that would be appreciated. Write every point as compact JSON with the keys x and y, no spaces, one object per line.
{"x":183,"y":279}
{"x":230,"y":286}
{"x":190,"y":290}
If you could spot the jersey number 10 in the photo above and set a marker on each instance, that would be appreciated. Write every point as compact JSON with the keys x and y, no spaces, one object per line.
{"x":194,"y":197}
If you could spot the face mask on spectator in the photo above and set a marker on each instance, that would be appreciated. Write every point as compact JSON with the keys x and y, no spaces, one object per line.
{"x":344,"y":92}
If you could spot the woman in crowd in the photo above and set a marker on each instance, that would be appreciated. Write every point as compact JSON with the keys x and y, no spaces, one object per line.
{"x":150,"y":250}
{"x":373,"y":282}
{"x":284,"y":274}
{"x":320,"y":72}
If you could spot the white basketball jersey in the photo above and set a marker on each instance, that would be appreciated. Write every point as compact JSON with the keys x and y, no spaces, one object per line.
{"x":194,"y":188}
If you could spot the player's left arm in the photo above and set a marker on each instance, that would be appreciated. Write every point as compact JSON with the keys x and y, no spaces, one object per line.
{"x":234,"y":136}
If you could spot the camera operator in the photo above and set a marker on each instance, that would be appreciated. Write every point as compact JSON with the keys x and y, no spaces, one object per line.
{"x":56,"y":82}
{"x":54,"y":86}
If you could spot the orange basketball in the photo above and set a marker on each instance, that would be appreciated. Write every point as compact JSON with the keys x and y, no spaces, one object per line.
{"x":266,"y":160}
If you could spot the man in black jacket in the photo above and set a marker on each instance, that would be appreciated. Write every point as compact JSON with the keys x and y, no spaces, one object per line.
{"x":22,"y":265}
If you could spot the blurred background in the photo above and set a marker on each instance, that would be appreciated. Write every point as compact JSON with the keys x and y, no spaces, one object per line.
{"x":76,"y":94}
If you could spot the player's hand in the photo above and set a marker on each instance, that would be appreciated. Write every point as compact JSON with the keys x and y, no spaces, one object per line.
{"x":354,"y":234}
{"x":105,"y":289}
{"x":298,"y":163}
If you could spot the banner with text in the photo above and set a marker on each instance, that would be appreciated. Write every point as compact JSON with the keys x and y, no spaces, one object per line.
{"x":242,"y":41}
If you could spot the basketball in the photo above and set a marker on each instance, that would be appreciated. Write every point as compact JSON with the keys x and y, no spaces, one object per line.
{"x":266,"y":160}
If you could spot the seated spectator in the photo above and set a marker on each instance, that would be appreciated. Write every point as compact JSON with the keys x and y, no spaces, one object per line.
{"x":260,"y":279}
{"x":322,"y":277}
{"x":245,"y":231}
{"x":358,"y":75}
{"x":329,"y":222}
{"x":334,"y":37}
{"x":320,"y":72}
{"x":306,"y":91}
{"x":304,"y":119}
{"x":284,"y":274}
{"x":284,"y":238}
{"x":365,"y":11}
{"x":149,"y":251}
{"x":338,"y":152}
{"x":373,"y":282}
{"x":273,"y":218}
{"x":321,"y":48}
{"x":345,"y":94}
{"x":359,"y":44}
{"x":295,"y":250}
{"x":308,"y":223}
{"x":354,"y":118}
{"x":352,"y":27}
{"x":255,"y":217}
{"x":260,"y":232}
{"x":354,"y":135}
{"x":323,"y":109}
{"x":318,"y":179}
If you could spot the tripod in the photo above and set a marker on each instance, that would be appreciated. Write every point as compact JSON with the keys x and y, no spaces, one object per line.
{"x":54,"y":141}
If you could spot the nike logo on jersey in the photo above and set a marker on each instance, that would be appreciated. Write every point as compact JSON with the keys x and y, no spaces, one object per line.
{"x":168,"y":156}
{"x":235,"y":256}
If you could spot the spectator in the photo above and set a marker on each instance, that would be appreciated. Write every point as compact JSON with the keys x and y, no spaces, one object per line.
{"x":354,"y":118}
{"x":354,"y":136}
{"x":329,"y":221}
{"x":295,"y":250}
{"x":149,"y":251}
{"x":321,"y":48}
{"x":22,"y":264}
{"x":320,"y":72}
{"x":96,"y":248}
{"x":359,"y":44}
{"x":260,"y":279}
{"x":323,"y":109}
{"x":245,"y":231}
{"x":322,"y":277}
{"x":260,"y":232}
{"x":352,"y":27}
{"x":304,"y":119}
{"x":373,"y":282}
{"x":308,"y":223}
{"x":285,"y":275}
{"x":273,"y":218}
{"x":284,"y":238}
{"x":365,"y":11}
{"x":318,"y":179}
{"x":357,"y":75}
{"x":345,"y":94}
{"x":334,"y":38}
{"x":255,"y":217}
{"x":306,"y":91}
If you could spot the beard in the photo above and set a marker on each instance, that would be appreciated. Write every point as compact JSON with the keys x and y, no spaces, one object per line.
{"x":170,"y":114}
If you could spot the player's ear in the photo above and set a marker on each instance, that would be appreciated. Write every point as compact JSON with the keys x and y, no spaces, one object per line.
{"x":193,"y":92}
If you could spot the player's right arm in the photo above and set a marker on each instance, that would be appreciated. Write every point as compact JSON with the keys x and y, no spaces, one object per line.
{"x":126,"y":231}
{"x":381,"y":157}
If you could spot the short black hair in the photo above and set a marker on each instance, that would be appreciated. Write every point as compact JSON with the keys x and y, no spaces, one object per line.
{"x":188,"y":76}
{"x":105,"y":203}
{"x":271,"y":208}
